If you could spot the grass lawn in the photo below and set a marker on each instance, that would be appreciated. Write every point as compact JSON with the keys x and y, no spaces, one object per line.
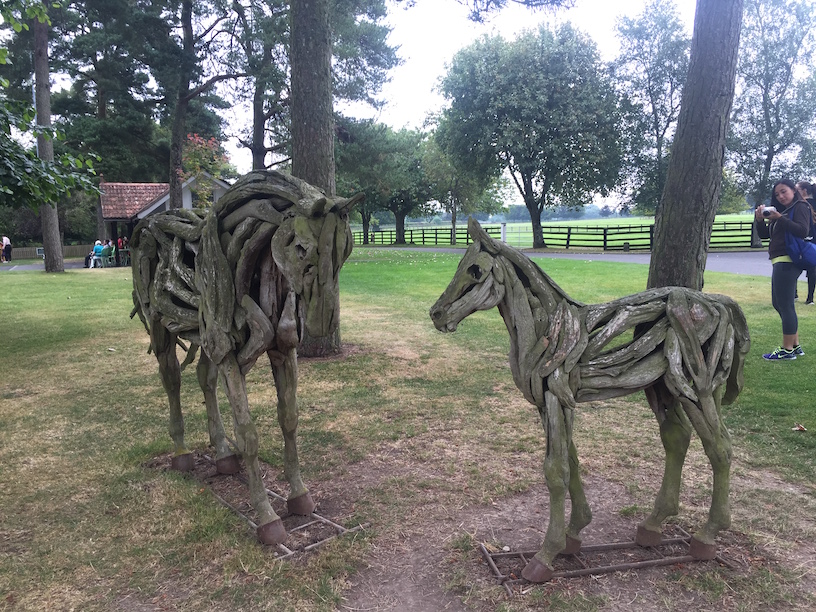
{"x":419,"y":433}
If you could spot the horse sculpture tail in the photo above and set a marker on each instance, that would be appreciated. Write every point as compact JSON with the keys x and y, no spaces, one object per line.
{"x":742,"y":342}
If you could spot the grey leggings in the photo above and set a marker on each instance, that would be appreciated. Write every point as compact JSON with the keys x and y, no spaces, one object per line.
{"x":783,"y":287}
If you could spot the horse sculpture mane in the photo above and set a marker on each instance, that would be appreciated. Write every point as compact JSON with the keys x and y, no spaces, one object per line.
{"x":686,"y":352}
{"x":245,"y":278}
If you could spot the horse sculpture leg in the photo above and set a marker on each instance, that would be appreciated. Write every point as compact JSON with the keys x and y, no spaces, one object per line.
{"x":580,"y":515}
{"x":707,"y":421}
{"x":675,"y":434}
{"x":226,"y":462}
{"x":285,"y":373}
{"x":164,"y":347}
{"x":556,"y":470}
{"x":270,"y":527}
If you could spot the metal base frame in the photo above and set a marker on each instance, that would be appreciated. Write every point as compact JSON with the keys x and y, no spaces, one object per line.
{"x":302,"y":523}
{"x":668,"y":552}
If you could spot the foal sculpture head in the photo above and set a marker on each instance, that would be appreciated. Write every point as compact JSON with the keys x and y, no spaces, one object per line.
{"x":477,"y":285}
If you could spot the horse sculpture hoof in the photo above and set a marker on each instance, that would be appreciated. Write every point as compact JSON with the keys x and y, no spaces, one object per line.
{"x":647,"y":537}
{"x":228,"y":465}
{"x":272,"y":533}
{"x":536,"y":571}
{"x":573,"y":546}
{"x":302,"y":504}
{"x":702,"y":551}
{"x":182,"y":463}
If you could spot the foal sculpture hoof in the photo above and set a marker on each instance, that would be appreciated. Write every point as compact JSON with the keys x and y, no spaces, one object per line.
{"x":182,"y":463}
{"x":302,"y":504}
{"x":227,"y":465}
{"x":647,"y":537}
{"x":272,"y":533}
{"x":573,"y":546}
{"x":536,"y":571}
{"x":702,"y":551}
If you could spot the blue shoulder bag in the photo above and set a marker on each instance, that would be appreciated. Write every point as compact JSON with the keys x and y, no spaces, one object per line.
{"x":802,"y":252}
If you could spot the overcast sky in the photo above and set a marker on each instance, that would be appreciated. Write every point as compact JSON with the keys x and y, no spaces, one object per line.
{"x":432,"y":31}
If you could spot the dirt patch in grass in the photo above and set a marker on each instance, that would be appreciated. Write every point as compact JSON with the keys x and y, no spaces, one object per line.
{"x":429,"y":560}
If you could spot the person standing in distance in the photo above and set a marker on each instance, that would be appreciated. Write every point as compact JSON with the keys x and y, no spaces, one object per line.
{"x":772,"y":223}
{"x":805,"y":191}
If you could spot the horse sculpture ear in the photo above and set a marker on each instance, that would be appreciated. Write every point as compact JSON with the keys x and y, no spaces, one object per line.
{"x":344,"y":205}
{"x":478,"y":234}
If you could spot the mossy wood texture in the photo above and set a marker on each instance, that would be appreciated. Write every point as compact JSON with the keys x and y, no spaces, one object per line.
{"x":684,"y":348}
{"x":244,"y":279}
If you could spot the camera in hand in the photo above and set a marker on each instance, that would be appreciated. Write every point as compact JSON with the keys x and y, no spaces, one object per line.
{"x":766,"y":212}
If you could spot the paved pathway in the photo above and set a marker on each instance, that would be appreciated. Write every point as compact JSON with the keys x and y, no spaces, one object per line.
{"x":744,"y":262}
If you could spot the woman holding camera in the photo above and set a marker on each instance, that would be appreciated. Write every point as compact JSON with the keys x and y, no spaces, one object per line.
{"x":788,"y":212}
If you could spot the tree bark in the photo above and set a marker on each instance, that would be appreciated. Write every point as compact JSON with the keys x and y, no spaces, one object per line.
{"x":312,"y":119}
{"x":399,"y":218}
{"x":179,"y":125}
{"x":52,"y":241}
{"x":312,"y":112}
{"x":694,"y":178}
{"x":366,"y":225}
{"x":258,"y":144}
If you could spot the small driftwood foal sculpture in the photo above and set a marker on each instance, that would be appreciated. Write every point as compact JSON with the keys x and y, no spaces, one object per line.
{"x":686,"y":352}
{"x":240,"y":281}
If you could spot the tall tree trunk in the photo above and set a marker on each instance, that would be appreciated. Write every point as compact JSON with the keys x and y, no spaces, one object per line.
{"x":49,"y":216}
{"x":179,"y":125}
{"x":453,"y":223}
{"x":312,"y":113}
{"x":694,"y":178}
{"x":258,"y":144}
{"x":313,"y":120}
{"x":535,"y":221}
{"x":400,"y":227}
{"x":366,"y":225}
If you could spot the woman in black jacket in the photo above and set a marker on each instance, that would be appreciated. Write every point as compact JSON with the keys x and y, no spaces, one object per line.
{"x":788,"y":212}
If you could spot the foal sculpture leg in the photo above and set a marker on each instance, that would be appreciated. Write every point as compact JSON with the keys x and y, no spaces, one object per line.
{"x":717,"y":445}
{"x":164,"y":347}
{"x":675,"y":434}
{"x":286,"y":373}
{"x":580,"y":515}
{"x":225,"y":460}
{"x":270,"y":527}
{"x":556,"y":470}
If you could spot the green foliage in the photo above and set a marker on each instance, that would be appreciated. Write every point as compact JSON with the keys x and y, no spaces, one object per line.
{"x":26,"y":180}
{"x":772,"y":124}
{"x":387,"y":166}
{"x":651,"y":70}
{"x":542,"y":107}
{"x":732,"y":197}
{"x":456,"y":187}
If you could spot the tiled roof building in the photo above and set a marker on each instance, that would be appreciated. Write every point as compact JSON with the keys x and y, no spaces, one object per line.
{"x":123,"y":201}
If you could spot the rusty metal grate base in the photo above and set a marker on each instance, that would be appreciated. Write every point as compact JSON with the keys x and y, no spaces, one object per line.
{"x":593,"y":559}
{"x":305,"y":532}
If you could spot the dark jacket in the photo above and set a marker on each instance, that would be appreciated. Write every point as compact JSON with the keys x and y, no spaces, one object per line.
{"x":798,"y":226}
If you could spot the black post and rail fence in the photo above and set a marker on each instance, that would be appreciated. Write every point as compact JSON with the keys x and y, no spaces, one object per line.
{"x":725,"y":235}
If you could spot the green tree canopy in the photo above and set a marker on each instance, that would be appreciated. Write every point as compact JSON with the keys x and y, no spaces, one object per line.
{"x":773,"y":124}
{"x":650,"y":70}
{"x":457,"y":189}
{"x":544,"y":108}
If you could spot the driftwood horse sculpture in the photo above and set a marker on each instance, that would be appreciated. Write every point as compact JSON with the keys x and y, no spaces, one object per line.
{"x":241,"y":281}
{"x":684,"y":348}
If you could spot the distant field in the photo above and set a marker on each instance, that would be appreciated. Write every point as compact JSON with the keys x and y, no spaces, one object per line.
{"x":587,"y":233}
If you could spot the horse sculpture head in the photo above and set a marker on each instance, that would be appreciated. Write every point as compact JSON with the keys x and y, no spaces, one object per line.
{"x":310,"y":248}
{"x":477,"y":285}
